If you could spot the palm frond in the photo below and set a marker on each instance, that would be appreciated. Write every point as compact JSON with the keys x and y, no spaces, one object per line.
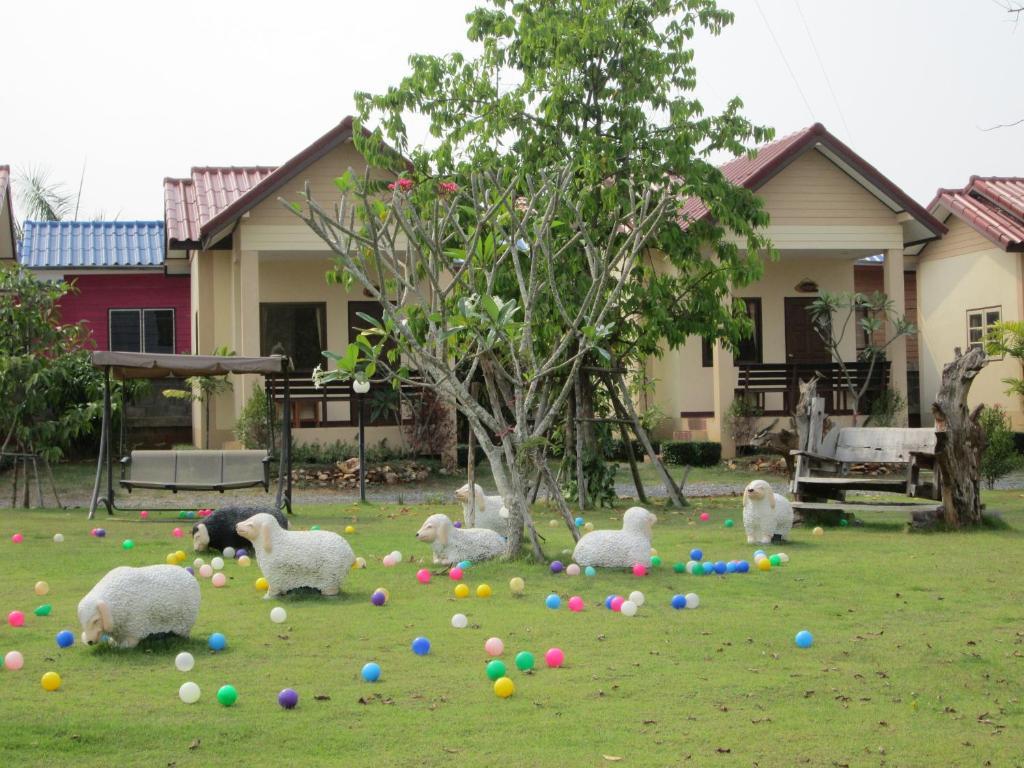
{"x":41,"y":199}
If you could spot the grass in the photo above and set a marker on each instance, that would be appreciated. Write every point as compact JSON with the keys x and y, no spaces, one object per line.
{"x":917,"y":657}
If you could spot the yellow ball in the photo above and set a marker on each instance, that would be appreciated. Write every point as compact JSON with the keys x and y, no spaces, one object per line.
{"x":51,"y":681}
{"x":553,"y":523}
{"x":180,"y":556}
{"x":350,"y":529}
{"x":588,"y":527}
{"x":764,"y":564}
{"x":171,"y":559}
{"x":484,"y":590}
{"x":504,"y":687}
{"x":517,"y":585}
{"x":244,"y":561}
{"x":359,"y":563}
{"x":42,"y":588}
{"x":819,"y":531}
{"x":261,"y":584}
{"x":653,"y":551}
{"x":462,"y":590}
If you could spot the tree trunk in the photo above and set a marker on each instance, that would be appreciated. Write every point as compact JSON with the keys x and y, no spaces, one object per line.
{"x":960,"y":440}
{"x":579,"y":414}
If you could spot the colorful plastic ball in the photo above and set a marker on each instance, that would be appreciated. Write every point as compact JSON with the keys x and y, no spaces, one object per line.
{"x":552,"y":523}
{"x":465,"y":564}
{"x":371,"y":672}
{"x":387,"y":561}
{"x":206,"y":570}
{"x":462,"y":590}
{"x":484,"y":590}
{"x":421,"y":646}
{"x":314,"y":527}
{"x":775,"y":560}
{"x":191,"y":514}
{"x":457,"y":523}
{"x":350,"y":529}
{"x":144,"y":514}
{"x":43,"y":610}
{"x":189,"y":693}
{"x":730,"y":567}
{"x":608,"y":602}
{"x":516,"y":585}
{"x":742,"y":566}
{"x":58,"y":538}
{"x":14,"y":661}
{"x":553,"y":601}
{"x":495,"y":669}
{"x":728,"y":522}
{"x":241,"y":552}
{"x":783,"y":557}
{"x":217,"y":642}
{"x":177,"y":533}
{"x":698,"y":569}
{"x":184,"y":661}
{"x":555,"y":657}
{"x":51,"y":681}
{"x":459,"y":621}
{"x":227,"y":695}
{"x":41,"y":588}
{"x":617,"y":602}
{"x":423,"y":576}
{"x":378,"y":598}
{"x":494,"y":646}
{"x":655,"y":561}
{"x":455,"y":574}
{"x":127,"y":544}
{"x":100,"y":533}
{"x":171,"y":559}
{"x":16,"y":619}
{"x":720,"y":567}
{"x":524,"y":661}
{"x":843,"y":522}
{"x":504,"y":687}
{"x":690,"y":566}
{"x":17,"y":538}
{"x":579,"y":522}
{"x":396,"y":556}
{"x":261,"y":584}
{"x":639,"y":569}
{"x":590,"y":570}
{"x":704,"y":517}
{"x":557,"y":567}
{"x":678,"y":602}
{"x":65,"y":638}
{"x":637,"y":597}
{"x":764,"y":564}
{"x":359,"y":563}
{"x":572,"y":570}
{"x":244,"y":561}
{"x":818,"y":531}
{"x":217,"y":563}
{"x":278,"y":615}
{"x":182,"y":515}
{"x":588,"y":527}
{"x":804,"y":639}
{"x":288,"y":698}
{"x":219,"y":580}
{"x":575,"y":603}
{"x":696,"y":554}
{"x":628,"y":608}
{"x":679,"y":568}
{"x":692,"y":601}
{"x":229,"y":553}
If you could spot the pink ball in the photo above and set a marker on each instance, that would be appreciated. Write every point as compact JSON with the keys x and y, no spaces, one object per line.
{"x":617,"y":602}
{"x":206,"y":570}
{"x":555,"y":657}
{"x":575,"y":603}
{"x":17,"y":538}
{"x":176,"y":533}
{"x":494,"y":646}
{"x":16,"y":619}
{"x":14,"y":660}
{"x":219,"y":579}
{"x":143,"y":514}
{"x":704,"y":517}
{"x":455,"y":574}
{"x":423,"y":576}
{"x":639,"y":569}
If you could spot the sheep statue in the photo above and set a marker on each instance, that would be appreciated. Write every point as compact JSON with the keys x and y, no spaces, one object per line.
{"x":618,"y":549}
{"x":129,"y":604}
{"x":767,"y":515}
{"x":294,"y":559}
{"x":489,"y":513}
{"x":218,"y":530}
{"x":453,"y":545}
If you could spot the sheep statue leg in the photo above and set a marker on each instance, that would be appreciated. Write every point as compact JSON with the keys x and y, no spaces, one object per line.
{"x":128,"y":642}
{"x":330,"y":590}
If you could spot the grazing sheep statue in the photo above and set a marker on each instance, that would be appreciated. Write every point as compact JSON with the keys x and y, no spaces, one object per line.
{"x":294,"y":559}
{"x":490,"y":511}
{"x":218,"y":530}
{"x":618,"y":549}
{"x":129,"y":604}
{"x":453,"y":545}
{"x":767,"y":515}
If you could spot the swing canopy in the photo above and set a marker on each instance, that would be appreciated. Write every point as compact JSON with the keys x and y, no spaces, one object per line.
{"x":139,"y":365}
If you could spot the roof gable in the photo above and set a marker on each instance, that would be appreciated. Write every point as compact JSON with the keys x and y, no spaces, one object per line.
{"x":92,"y":244}
{"x":993,"y":206}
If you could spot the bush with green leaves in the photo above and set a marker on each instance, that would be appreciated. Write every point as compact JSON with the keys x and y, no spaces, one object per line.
{"x":887,"y":409}
{"x":252,"y":429}
{"x":691,"y":453}
{"x":741,"y":419}
{"x":1000,"y":456}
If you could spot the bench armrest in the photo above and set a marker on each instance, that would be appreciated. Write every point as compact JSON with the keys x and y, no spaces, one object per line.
{"x":126,"y":460}
{"x":815,"y":456}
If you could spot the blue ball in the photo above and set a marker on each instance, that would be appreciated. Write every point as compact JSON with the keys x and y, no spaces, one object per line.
{"x":65,"y":638}
{"x":730,"y":567}
{"x":218,"y":642}
{"x":679,"y":602}
{"x":579,"y":522}
{"x":759,"y":552}
{"x":371,"y":672}
{"x":242,"y":553}
{"x":804,"y":639}
{"x":720,"y":567}
{"x":465,"y":564}
{"x":742,"y":566}
{"x":696,"y":554}
{"x":608,"y":602}
{"x":553,"y":601}
{"x":590,"y":570}
{"x":421,"y":646}
{"x":557,"y":567}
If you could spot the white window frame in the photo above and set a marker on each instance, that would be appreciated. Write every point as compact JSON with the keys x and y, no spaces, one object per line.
{"x":985,"y":326}
{"x":142,"y":324}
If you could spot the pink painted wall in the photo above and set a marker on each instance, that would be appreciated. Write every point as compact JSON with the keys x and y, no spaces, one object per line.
{"x":99,"y":293}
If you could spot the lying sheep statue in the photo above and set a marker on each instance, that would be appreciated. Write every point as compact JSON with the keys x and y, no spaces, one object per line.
{"x":129,"y":604}
{"x":294,"y":559}
{"x":489,"y":513}
{"x":767,"y":515}
{"x":218,"y":530}
{"x":453,"y":545}
{"x":618,"y":549}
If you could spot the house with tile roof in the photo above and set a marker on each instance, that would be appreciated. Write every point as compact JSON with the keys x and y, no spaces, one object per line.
{"x":969,"y":280}
{"x":838,"y":224}
{"x":8,"y":239}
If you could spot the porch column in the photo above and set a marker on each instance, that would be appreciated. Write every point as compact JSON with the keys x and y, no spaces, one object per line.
{"x":247,"y":333}
{"x":725,"y":389}
{"x":896,"y":353}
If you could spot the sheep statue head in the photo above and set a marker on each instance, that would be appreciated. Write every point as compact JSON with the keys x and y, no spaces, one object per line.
{"x":435,"y":529}
{"x":95,"y":618}
{"x":757,"y":490}
{"x":258,"y":529}
{"x":639,"y":520}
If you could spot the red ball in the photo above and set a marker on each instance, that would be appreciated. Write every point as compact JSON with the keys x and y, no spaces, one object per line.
{"x":639,"y":569}
{"x":455,"y":574}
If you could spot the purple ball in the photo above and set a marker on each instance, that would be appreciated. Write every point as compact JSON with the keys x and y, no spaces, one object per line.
{"x":378,"y":598}
{"x":242,"y":553}
{"x":557,"y":567}
{"x":100,"y":532}
{"x":288,"y":698}
{"x":190,"y":571}
{"x":458,"y":523}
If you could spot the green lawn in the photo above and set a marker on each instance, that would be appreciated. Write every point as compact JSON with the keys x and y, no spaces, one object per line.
{"x":917,"y":659}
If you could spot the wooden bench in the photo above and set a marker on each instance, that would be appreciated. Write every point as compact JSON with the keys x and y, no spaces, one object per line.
{"x":195,"y":470}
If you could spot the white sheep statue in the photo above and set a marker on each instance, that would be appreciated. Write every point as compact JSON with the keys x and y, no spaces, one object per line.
{"x":618,"y":549}
{"x":766,"y":515}
{"x":129,"y":604}
{"x":489,"y":513}
{"x":295,"y":559}
{"x":453,"y":545}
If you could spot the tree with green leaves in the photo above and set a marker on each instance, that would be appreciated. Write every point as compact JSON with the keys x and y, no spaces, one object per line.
{"x":203,"y":390}
{"x":1007,"y":338}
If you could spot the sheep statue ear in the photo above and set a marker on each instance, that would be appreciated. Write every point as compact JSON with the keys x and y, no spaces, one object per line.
{"x":265,"y":538}
{"x":442,"y":533}
{"x":106,"y":621}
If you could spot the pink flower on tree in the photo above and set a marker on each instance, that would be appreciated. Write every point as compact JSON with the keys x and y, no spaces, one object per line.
{"x":447,"y":187}
{"x":402,"y":184}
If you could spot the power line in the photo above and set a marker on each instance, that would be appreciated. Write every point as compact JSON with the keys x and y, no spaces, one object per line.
{"x":831,"y":90}
{"x":785,"y":60}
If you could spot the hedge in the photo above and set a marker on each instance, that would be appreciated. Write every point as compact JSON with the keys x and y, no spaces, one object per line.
{"x":691,"y":454}
{"x":616,"y":451}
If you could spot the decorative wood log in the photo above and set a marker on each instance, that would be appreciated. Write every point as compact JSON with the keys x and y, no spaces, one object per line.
{"x":960,"y":441}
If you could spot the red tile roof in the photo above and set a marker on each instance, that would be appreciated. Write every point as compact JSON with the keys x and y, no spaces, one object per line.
{"x":993,"y":206}
{"x":190,"y":204}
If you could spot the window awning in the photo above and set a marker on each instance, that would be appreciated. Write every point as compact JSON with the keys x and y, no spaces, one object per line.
{"x":139,"y":365}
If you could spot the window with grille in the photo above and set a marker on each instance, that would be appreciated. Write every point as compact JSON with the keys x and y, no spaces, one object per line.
{"x":142,"y":330}
{"x":979,"y":323}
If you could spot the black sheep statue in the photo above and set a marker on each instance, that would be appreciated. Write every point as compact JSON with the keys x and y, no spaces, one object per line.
{"x":218,"y":530}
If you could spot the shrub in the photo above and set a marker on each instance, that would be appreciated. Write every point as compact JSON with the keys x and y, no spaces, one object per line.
{"x":1000,"y":456}
{"x":741,"y":419}
{"x":887,"y":408}
{"x":616,"y":450}
{"x":317,"y":453}
{"x":253,"y":426}
{"x":478,"y":454}
{"x":691,"y":454}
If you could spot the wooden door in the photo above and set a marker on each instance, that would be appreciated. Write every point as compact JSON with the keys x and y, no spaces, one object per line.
{"x":803,"y":344}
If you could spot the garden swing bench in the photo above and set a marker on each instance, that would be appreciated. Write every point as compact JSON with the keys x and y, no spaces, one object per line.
{"x":190,"y":470}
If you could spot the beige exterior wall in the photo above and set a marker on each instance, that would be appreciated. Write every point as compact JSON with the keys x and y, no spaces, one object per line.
{"x":6,"y":243}
{"x":960,"y":272}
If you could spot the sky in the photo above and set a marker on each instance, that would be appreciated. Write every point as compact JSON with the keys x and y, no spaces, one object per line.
{"x":136,"y":91}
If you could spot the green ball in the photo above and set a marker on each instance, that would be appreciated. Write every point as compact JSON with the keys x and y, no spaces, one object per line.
{"x":43,"y":610}
{"x":127,"y":543}
{"x":775,"y":560}
{"x":655,"y":561}
{"x":524,"y":661}
{"x":844,"y":522}
{"x":314,"y":527}
{"x":729,"y":523}
{"x":679,"y":567}
{"x":698,"y":569}
{"x":182,"y":515}
{"x":227,"y":695}
{"x":495,"y":669}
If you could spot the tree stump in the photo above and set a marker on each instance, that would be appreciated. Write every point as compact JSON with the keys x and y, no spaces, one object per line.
{"x":959,"y":444}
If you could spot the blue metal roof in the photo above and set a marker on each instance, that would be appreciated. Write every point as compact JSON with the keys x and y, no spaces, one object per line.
{"x":92,"y":244}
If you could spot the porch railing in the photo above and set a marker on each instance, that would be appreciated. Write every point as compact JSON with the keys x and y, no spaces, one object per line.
{"x":309,"y":405}
{"x":760,"y":384}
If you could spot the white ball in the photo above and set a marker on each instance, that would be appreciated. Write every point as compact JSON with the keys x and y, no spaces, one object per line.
{"x":217,"y":563}
{"x":198,"y":562}
{"x":184,"y":661}
{"x":396,"y":556}
{"x":189,"y":693}
{"x":229,"y":552}
{"x":628,"y":608}
{"x":388,"y":561}
{"x":459,"y":621}
{"x":690,"y":566}
{"x":783,"y":557}
{"x":692,"y":601}
{"x":552,"y":523}
{"x":637,"y":597}
{"x":278,"y":615}
{"x":572,"y":569}
{"x":58,"y":538}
